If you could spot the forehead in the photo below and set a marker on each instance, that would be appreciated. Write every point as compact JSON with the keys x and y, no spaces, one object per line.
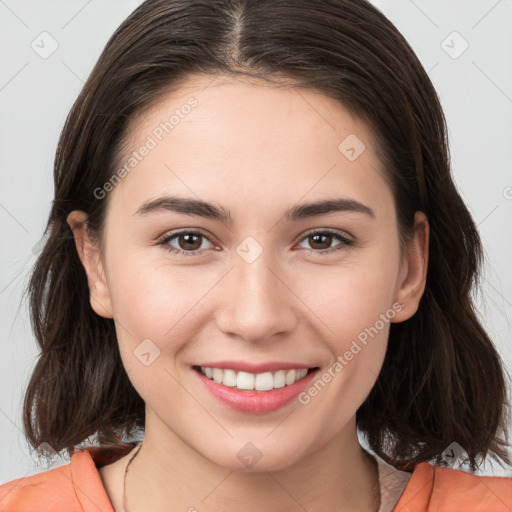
{"x":248,"y":142}
{"x":247,"y":107}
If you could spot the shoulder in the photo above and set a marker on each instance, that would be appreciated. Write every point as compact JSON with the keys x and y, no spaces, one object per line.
{"x":75,"y":486}
{"x":43,"y":491}
{"x":435,"y":488}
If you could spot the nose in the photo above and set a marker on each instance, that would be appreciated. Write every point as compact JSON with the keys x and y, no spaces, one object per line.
{"x":258,"y":301}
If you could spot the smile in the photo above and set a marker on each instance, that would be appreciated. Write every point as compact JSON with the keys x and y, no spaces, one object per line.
{"x":254,"y":381}
{"x":267,"y":388}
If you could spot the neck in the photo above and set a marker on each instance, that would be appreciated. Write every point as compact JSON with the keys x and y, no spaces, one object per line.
{"x":167,"y":474}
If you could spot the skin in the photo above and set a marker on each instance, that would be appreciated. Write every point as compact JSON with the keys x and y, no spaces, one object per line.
{"x":257,"y":151}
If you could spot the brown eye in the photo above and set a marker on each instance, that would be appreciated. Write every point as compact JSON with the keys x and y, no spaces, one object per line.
{"x":187,"y":243}
{"x":321,"y":241}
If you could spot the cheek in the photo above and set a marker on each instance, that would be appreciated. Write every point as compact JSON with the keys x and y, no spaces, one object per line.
{"x":367,"y":297}
{"x":159,"y":310}
{"x":152,"y":298}
{"x":350,"y":298}
{"x":154,"y":316}
{"x":357,"y":312}
{"x":355,"y":305}
{"x":360,"y":318}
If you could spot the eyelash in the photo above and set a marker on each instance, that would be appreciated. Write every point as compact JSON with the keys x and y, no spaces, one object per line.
{"x":345,"y":242}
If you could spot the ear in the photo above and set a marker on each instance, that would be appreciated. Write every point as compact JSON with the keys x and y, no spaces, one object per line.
{"x":90,"y":257}
{"x":413,"y":270}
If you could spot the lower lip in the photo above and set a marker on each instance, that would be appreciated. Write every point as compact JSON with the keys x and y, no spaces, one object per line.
{"x":257,"y":402}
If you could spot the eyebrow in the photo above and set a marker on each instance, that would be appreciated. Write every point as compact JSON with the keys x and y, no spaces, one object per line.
{"x":211,"y":211}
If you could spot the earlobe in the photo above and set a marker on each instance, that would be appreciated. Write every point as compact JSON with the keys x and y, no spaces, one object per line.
{"x":413,"y":277}
{"x":89,"y":254}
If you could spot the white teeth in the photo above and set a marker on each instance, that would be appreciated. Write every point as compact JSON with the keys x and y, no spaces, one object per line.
{"x":290,"y":377}
{"x":264,"y":381}
{"x":245,"y":380}
{"x":250,"y":381}
{"x":229,"y":378}
{"x":218,"y":375}
{"x":279,"y":379}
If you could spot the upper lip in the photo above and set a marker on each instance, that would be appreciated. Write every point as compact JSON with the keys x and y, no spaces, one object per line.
{"x":244,"y":366}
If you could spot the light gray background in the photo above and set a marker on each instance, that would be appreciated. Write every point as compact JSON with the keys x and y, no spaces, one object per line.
{"x":36,"y":94}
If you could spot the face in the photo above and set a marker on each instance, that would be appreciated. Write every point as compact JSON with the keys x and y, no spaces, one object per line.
{"x":261,"y":282}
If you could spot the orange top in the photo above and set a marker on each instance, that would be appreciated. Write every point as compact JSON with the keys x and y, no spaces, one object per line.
{"x":77,"y":486}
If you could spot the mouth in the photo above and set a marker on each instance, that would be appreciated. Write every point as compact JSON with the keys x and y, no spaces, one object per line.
{"x":246,"y":381}
{"x":256,"y":392}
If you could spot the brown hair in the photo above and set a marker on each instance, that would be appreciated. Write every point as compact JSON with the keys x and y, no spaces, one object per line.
{"x":442,"y":379}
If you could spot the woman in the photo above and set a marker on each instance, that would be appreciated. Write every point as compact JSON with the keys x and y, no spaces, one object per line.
{"x":256,"y":249}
